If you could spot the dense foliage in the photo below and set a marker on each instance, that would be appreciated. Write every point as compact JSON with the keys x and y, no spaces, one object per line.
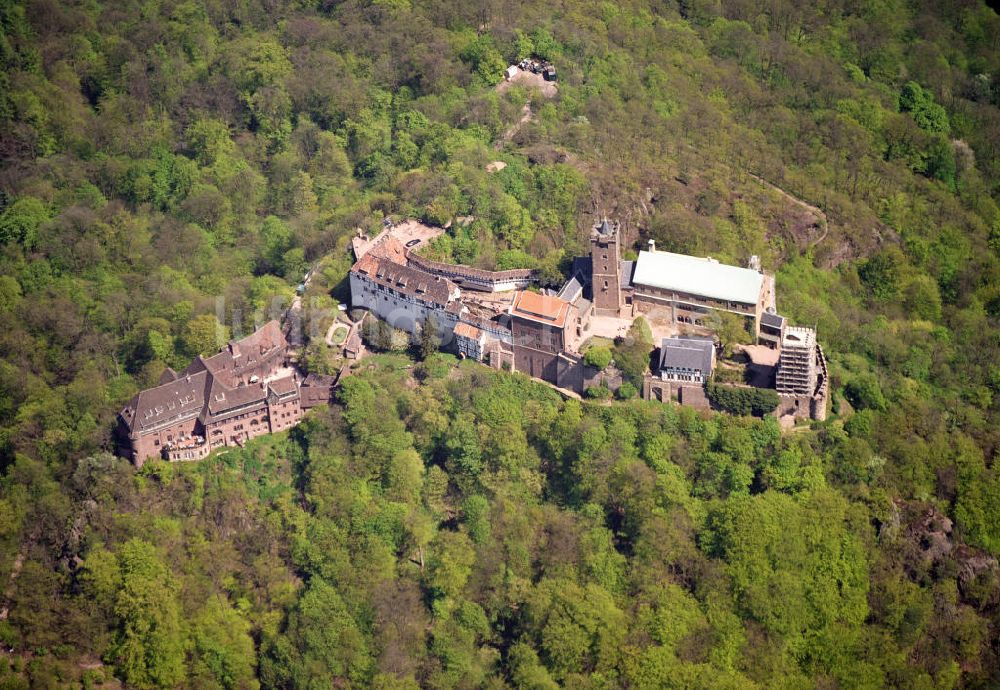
{"x":743,"y":400}
{"x":169,"y":172}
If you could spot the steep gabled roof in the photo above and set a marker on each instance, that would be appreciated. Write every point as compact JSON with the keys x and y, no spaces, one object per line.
{"x":687,"y":353}
{"x":244,"y":354}
{"x":571,"y":291}
{"x":405,"y":280}
{"x":207,"y":386}
{"x":772,"y":320}
{"x":222,"y":398}
{"x":166,"y":404}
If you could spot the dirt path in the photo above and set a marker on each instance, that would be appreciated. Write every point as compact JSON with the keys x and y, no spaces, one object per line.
{"x":804,"y":204}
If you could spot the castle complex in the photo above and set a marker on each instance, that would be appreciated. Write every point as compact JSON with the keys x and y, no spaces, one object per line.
{"x":249,"y":388}
{"x":490,"y":316}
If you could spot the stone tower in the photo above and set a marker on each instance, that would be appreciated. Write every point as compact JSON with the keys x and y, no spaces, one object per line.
{"x":797,"y":363}
{"x":605,"y":257}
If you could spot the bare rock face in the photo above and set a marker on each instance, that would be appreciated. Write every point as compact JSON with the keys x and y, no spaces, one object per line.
{"x":930,"y":544}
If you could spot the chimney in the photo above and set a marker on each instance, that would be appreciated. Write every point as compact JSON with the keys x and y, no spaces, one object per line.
{"x":652,"y":245}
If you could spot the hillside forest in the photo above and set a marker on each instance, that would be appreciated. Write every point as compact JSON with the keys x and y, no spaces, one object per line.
{"x":170,"y":169}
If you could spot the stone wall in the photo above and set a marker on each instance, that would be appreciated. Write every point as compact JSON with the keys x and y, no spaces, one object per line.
{"x":693,"y":396}
{"x":570,"y":372}
{"x":151,"y":444}
{"x":398,"y":312}
{"x":690,"y":395}
{"x":284,"y":414}
{"x":239,"y":427}
{"x":611,"y":378}
{"x":537,"y":363}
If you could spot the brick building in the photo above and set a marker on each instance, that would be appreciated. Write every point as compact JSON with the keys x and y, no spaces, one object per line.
{"x":538,"y":326}
{"x":242,"y":392}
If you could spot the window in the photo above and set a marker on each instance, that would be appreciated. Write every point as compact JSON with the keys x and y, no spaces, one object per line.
{"x":605,"y":285}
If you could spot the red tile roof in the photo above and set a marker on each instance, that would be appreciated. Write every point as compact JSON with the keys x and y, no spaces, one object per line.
{"x":544,"y":309}
{"x":466,"y":330}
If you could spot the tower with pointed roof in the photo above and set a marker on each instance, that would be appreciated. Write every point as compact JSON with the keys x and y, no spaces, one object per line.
{"x":605,"y":259}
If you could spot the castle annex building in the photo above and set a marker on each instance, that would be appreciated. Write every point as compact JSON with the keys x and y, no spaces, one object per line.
{"x":243,"y":391}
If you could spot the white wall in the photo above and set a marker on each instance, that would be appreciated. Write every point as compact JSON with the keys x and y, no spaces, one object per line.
{"x":399,"y":312}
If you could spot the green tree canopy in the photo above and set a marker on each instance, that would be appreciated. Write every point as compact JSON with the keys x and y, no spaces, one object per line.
{"x":149,"y":646}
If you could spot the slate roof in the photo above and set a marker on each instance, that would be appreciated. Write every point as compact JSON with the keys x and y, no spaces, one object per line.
{"x":697,"y":276}
{"x":772,"y":320}
{"x":625,"y":270}
{"x":207,"y":386}
{"x":582,"y":269}
{"x":605,"y":227}
{"x":687,"y":353}
{"x":583,"y":266}
{"x":405,"y":280}
{"x":166,"y":404}
{"x":571,"y":291}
